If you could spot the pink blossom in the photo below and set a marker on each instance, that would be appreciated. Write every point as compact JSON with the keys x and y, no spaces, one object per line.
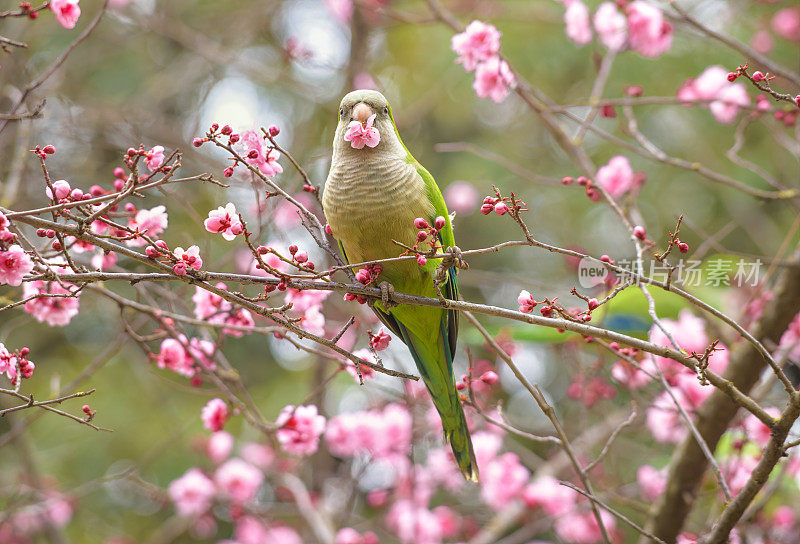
{"x":413,"y":524}
{"x":576,"y":19}
{"x":756,"y":430}
{"x":665,"y":421}
{"x":103,"y":260}
{"x":66,"y":12}
{"x":250,"y":530}
{"x":151,"y":222}
{"x":313,"y":321}
{"x":55,"y":311}
{"x":651,"y":481}
{"x":254,"y":154}
{"x":258,"y":455}
{"x":366,"y":372}
{"x":281,"y":534}
{"x":238,"y":480}
{"x":442,"y":466}
{"x":625,"y":373}
{"x":526,"y":302}
{"x":240,"y":318}
{"x":360,"y":135}
{"x":493,"y":79}
{"x":649,"y":34}
{"x":192,"y":493}
{"x":582,"y":528}
{"x":14,"y":265}
{"x":303,"y":300}
{"x":299,"y":429}
{"x":341,"y":10}
{"x":762,"y":42}
{"x":190,"y":256}
{"x":61,"y":189}
{"x":503,"y":480}
{"x":155,"y":158}
{"x":214,"y":414}
{"x":479,"y":42}
{"x":173,"y":356}
{"x":380,"y":433}
{"x":225,"y":221}
{"x":348,"y":535}
{"x":380,"y":341}
{"x":730,"y":99}
{"x":461,"y":197}
{"x":616,"y":177}
{"x":690,"y":333}
{"x":737,"y":471}
{"x":786,"y":23}
{"x":611,"y":25}
{"x":546,"y":493}
{"x":219,"y":446}
{"x":208,"y":304}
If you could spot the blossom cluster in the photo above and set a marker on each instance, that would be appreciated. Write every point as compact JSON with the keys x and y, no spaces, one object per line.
{"x":478,"y":49}
{"x":638,"y":26}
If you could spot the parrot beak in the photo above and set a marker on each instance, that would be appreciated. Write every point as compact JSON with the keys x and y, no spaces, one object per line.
{"x":361,"y":113}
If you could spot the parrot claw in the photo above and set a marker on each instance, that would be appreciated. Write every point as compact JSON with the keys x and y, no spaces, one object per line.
{"x":452,"y":257}
{"x":387,"y":294}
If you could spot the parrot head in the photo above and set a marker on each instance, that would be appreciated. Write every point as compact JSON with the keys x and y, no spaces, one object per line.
{"x":366,"y":126}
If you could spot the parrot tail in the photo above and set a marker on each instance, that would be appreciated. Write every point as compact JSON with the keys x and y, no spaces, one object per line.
{"x":436,"y":368}
{"x":457,"y":434}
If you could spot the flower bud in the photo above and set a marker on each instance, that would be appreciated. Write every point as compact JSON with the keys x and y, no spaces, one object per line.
{"x":228,"y":172}
{"x":421,"y":236}
{"x":420,"y":223}
{"x":593,"y":303}
{"x":197,"y":142}
{"x":274,"y":131}
{"x":226,"y":130}
{"x":490,"y":377}
{"x":567,"y":180}
{"x":301,"y":256}
{"x":501,"y":208}
{"x":328,"y":229}
{"x":683,"y":247}
{"x":422,"y":260}
{"x":639,"y":232}
{"x":292,"y":249}
{"x":758,"y":76}
{"x":440,"y":223}
{"x":49,"y":149}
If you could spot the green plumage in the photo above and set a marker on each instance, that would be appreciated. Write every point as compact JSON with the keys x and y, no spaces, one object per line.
{"x":372,"y":196}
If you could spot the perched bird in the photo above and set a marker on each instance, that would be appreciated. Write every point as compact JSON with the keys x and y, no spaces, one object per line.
{"x":374,"y":193}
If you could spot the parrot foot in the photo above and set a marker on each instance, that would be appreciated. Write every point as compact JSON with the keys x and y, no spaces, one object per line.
{"x":452,"y":257}
{"x":387,"y":294}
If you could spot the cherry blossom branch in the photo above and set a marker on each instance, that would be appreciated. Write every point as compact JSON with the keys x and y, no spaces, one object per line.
{"x":33,"y":403}
{"x":33,"y":85}
{"x":734,"y":44}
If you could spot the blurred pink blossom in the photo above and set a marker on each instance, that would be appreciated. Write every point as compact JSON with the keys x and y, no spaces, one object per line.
{"x":67,"y":12}
{"x":214,"y":414}
{"x":341,"y":10}
{"x":219,"y":446}
{"x":192,"y":493}
{"x":313,"y":321}
{"x":55,"y":311}
{"x":103,"y":260}
{"x":479,"y":42}
{"x":207,"y":304}
{"x":756,"y":430}
{"x":611,"y":26}
{"x":503,"y":480}
{"x":382,"y":433}
{"x":461,"y":197}
{"x":762,"y":42}
{"x":546,"y":493}
{"x":61,"y":189}
{"x":258,"y":455}
{"x":238,"y":480}
{"x":366,"y":372}
{"x":737,"y":471}
{"x":648,"y":33}
{"x":299,"y":429}
{"x":582,"y":528}
{"x":651,"y":481}
{"x":151,"y":222}
{"x":14,"y":264}
{"x":786,"y":23}
{"x":617,"y":176}
{"x":790,"y":339}
{"x":250,"y":530}
{"x":713,"y":84}
{"x":281,"y":534}
{"x":576,"y":19}
{"x":303,"y":300}
{"x":172,"y":355}
{"x":413,"y":524}
{"x":493,"y":79}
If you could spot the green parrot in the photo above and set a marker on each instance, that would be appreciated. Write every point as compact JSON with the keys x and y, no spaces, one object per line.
{"x":372,"y":196}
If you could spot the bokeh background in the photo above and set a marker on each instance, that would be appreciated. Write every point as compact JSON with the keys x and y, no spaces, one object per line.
{"x":160,"y":72}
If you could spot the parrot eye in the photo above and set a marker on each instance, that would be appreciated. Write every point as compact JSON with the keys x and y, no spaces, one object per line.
{"x":341,"y":112}
{"x":386,"y":110}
